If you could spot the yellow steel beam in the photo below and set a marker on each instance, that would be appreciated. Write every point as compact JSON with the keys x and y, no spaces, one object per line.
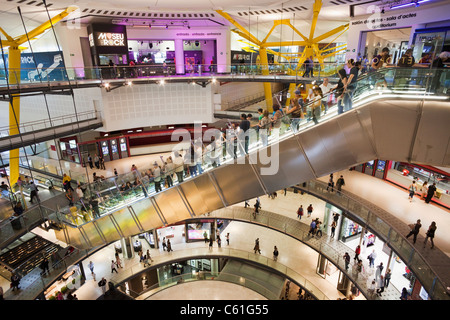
{"x":330,"y":33}
{"x":333,"y":48}
{"x":316,"y":10}
{"x":284,"y":43}
{"x":46,"y":25}
{"x":237,"y":25}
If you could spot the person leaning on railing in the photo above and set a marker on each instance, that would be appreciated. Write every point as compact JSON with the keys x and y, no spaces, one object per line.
{"x":439,"y":65}
{"x":339,"y":89}
{"x":295,"y":110}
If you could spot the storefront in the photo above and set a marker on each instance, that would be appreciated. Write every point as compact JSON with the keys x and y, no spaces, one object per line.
{"x":376,"y":168}
{"x":402,"y":174}
{"x":108,"y":43}
{"x":111,"y":148}
{"x":430,"y":42}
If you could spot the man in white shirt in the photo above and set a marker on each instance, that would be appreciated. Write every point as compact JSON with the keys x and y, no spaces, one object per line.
{"x":326,"y":89}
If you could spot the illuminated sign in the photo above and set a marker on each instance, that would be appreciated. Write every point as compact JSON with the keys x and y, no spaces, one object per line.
{"x":107,"y":39}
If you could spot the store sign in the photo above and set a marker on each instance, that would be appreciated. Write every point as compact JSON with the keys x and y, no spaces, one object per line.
{"x":109,"y":39}
{"x":378,"y":21}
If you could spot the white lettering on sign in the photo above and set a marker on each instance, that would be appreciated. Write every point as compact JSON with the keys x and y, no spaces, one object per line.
{"x":111,"y":39}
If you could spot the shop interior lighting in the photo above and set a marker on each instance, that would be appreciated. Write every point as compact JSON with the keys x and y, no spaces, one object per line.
{"x":150,"y":23}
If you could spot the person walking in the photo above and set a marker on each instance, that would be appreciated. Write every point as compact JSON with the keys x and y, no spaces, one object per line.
{"x":97,"y":161}
{"x":380,"y":268}
{"x":118,"y":261}
{"x":300,"y":212}
{"x":330,"y":183}
{"x":169,"y":246}
{"x":91,"y":267}
{"x":312,"y":227}
{"x":333,"y":229}
{"x":205,"y":236}
{"x":424,"y":191}
{"x":44,"y":266}
{"x":357,"y":253}
{"x":430,"y":193}
{"x":211,"y":243}
{"x":346,"y":260}
{"x":372,"y":258}
{"x":380,"y":289}
{"x":91,"y":163}
{"x":33,"y":191}
{"x":340,"y":183}
{"x":219,"y":241}
{"x":387,"y":277}
{"x":358,"y":269}
{"x":102,"y":284}
{"x":113,"y":267}
{"x":256,"y":247}
{"x":310,"y":210}
{"x":412,"y":190}
{"x":228,"y":238}
{"x":164,"y":245}
{"x":257,"y":206}
{"x":15,"y":281}
{"x":275,"y":253}
{"x":430,"y":234}
{"x":414,"y":230}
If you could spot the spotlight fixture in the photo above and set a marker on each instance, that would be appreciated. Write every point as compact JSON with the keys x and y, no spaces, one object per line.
{"x":129,"y":83}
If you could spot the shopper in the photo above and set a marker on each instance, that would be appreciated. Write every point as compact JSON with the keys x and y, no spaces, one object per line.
{"x":219,"y":241}
{"x":327,"y":88}
{"x":404,"y":295}
{"x":379,"y":270}
{"x":33,"y":191}
{"x":430,"y":193}
{"x":164,"y":244}
{"x":330,"y":183}
{"x":211,"y":243}
{"x":438,"y":66}
{"x":228,"y":238}
{"x":15,"y":281}
{"x":352,"y":83}
{"x":113,"y":267}
{"x":310,"y":210}
{"x":357,"y":253}
{"x":300,"y":212}
{"x":346,"y":260}
{"x":97,"y":161}
{"x":371,"y":289}
{"x":414,"y":230}
{"x":412,"y":190}
{"x":243,"y":134}
{"x":169,"y":246}
{"x":387,"y":277}
{"x":339,"y":90}
{"x":118,"y":261}
{"x":91,"y":267}
{"x":371,"y":257}
{"x":358,"y":269}
{"x":44,"y":266}
{"x":256,"y":247}
{"x":380,"y":289}
{"x":257,"y":206}
{"x":102,"y":284}
{"x":340,"y":183}
{"x":316,"y":106}
{"x":312,"y":227}
{"x":424,"y":191}
{"x":333,"y":228}
{"x":295,"y":110}
{"x":430,"y":234}
{"x":91,"y":164}
{"x":264,"y":128}
{"x":179,"y":166}
{"x":275,"y":253}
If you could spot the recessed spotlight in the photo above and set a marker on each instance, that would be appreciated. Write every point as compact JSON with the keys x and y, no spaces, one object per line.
{"x":129,"y":83}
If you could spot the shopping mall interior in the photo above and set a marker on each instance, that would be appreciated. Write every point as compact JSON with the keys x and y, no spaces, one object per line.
{"x":232,"y":150}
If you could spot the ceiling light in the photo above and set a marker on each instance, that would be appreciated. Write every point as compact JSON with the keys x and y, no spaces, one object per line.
{"x":129,"y":83}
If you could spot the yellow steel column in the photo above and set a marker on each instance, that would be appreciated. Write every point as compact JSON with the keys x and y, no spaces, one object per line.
{"x":265,"y":71}
{"x":14,"y":112}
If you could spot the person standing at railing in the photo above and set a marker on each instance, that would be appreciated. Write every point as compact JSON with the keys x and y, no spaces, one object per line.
{"x":156,"y":173}
{"x":351,"y":84}
{"x":295,"y":110}
{"x":276,"y":122}
{"x":326,"y":88}
{"x":243,"y":134}
{"x":179,"y":166}
{"x":381,"y":61}
{"x":264,"y":126}
{"x":316,"y":104}
{"x":439,"y":65}
{"x":340,"y":89}
{"x":169,"y":170}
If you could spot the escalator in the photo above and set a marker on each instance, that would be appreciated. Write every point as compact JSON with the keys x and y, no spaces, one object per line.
{"x":405,"y":122}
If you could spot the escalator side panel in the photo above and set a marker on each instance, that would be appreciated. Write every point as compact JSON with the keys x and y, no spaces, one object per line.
{"x":147,"y":215}
{"x":357,"y":137}
{"x":394,"y":123}
{"x":291,"y":162}
{"x":201,"y":194}
{"x":237,"y":182}
{"x":171,"y":205}
{"x":432,"y":144}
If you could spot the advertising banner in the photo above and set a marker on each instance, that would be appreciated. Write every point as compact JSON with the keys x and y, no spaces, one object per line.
{"x":40,"y":66}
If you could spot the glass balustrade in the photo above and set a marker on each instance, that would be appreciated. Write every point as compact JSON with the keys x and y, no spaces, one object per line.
{"x":397,"y":241}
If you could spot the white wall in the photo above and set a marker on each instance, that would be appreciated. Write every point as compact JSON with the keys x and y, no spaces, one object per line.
{"x":153,"y":105}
